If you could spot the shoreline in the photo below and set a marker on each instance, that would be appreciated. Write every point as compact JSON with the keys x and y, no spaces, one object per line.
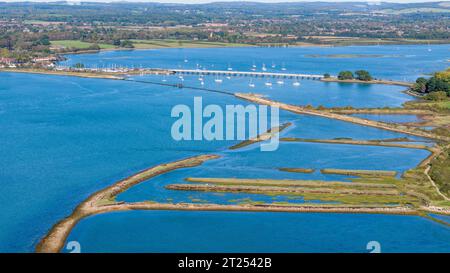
{"x":326,"y":114}
{"x":380,"y":111}
{"x":358,"y":142}
{"x":54,"y":240}
{"x":299,"y":45}
{"x":387,"y":82}
{"x":261,"y":137}
{"x":107,"y":76}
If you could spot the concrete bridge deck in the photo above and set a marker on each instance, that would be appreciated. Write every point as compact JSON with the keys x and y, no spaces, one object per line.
{"x":245,"y":74}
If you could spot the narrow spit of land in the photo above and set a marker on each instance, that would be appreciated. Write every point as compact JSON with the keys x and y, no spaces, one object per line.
{"x":358,"y":142}
{"x":381,"y":111}
{"x":359,"y":172}
{"x":262,"y":137}
{"x":326,"y":114}
{"x":81,"y":74}
{"x":296,"y":170}
{"x":279,"y":190}
{"x":288,"y":182}
{"x":373,"y":191}
{"x":389,"y":82}
{"x":104,"y":201}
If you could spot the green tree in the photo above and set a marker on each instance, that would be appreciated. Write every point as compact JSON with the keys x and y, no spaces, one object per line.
{"x":363,"y":75}
{"x":79,"y":65}
{"x":4,"y":52}
{"x":94,"y":47}
{"x":435,"y":84}
{"x":326,"y":75}
{"x":345,"y":75}
{"x":116,"y":42}
{"x":420,"y":85}
{"x":126,"y":44}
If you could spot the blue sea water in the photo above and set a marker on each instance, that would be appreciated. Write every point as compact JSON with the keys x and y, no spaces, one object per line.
{"x":63,"y":138}
{"x":310,"y":92}
{"x":182,"y":231}
{"x":400,"y":62}
{"x":445,"y":218}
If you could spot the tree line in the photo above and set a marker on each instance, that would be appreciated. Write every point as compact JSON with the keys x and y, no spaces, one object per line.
{"x":361,"y":75}
{"x":435,"y":88}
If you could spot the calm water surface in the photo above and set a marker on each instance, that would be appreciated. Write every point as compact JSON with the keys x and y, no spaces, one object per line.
{"x":64,"y":137}
{"x":178,"y":231}
{"x":405,"y":62}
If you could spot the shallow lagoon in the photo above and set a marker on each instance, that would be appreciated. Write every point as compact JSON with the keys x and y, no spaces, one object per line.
{"x":64,"y":138}
{"x":252,"y":163}
{"x":182,"y":231}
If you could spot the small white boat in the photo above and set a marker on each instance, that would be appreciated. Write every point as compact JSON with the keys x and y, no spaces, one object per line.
{"x":186,"y":60}
{"x":200,"y":79}
{"x":273,"y":65}
{"x":202,"y":83}
{"x":280,"y":82}
{"x":268,"y":84}
{"x":296,"y":83}
{"x":218,"y":80}
{"x":228,"y":77}
{"x":264,"y":67}
{"x":251,"y":84}
{"x":229,"y":68}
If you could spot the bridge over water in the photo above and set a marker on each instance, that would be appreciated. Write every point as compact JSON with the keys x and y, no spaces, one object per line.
{"x":245,"y":74}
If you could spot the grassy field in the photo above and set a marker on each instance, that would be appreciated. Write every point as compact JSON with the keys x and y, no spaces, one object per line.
{"x":78,"y":44}
{"x":345,"y":41}
{"x":440,"y":172}
{"x":358,"y":172}
{"x":144,"y":44}
{"x":296,"y":170}
{"x":444,"y":104}
{"x":344,"y":196}
{"x":414,"y":10}
{"x":436,"y":106}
